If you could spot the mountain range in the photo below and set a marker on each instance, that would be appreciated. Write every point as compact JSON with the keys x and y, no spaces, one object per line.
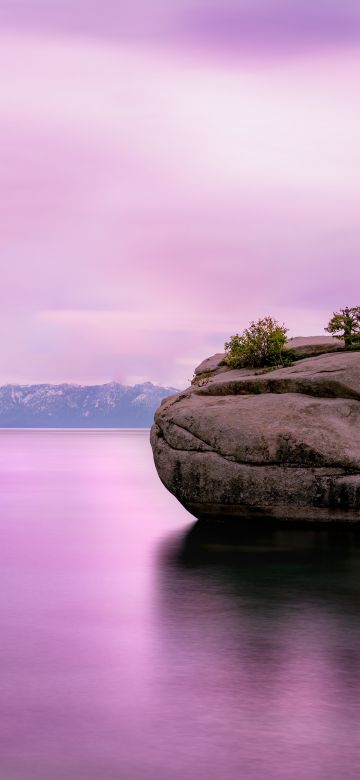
{"x":111,"y":405}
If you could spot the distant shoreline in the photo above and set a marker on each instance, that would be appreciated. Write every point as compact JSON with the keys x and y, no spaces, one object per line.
{"x":73,"y":430}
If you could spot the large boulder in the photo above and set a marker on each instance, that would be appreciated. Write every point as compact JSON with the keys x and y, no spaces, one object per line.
{"x":281,"y":444}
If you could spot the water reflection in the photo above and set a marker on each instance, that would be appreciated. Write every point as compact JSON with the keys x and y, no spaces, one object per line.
{"x":270,"y":622}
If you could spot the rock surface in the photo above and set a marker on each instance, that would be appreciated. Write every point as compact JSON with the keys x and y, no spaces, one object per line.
{"x":309,"y":346}
{"x":303,"y":346}
{"x":211,"y":363}
{"x":281,"y":444}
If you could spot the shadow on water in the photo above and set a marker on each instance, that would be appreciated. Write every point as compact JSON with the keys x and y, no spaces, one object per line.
{"x":262,"y":626}
{"x":276,"y":602}
{"x":318,"y":559}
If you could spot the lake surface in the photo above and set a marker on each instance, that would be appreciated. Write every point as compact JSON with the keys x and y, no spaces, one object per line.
{"x":135,"y":647}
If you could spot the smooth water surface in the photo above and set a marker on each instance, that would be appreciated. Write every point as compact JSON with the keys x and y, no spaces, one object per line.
{"x":136,"y":647}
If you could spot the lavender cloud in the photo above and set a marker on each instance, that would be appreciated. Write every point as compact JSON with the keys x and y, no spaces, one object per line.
{"x":236,"y":25}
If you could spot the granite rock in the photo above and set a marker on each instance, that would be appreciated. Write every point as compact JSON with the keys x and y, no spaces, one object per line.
{"x":281,"y":444}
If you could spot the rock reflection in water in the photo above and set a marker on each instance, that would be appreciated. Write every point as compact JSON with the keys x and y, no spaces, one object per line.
{"x":263,"y":631}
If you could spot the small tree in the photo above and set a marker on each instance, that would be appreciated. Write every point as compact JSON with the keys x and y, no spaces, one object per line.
{"x":345,"y":324}
{"x":261,"y":344}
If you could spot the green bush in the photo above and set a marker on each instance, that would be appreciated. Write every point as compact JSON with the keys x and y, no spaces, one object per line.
{"x":260,"y":345}
{"x":345,"y":324}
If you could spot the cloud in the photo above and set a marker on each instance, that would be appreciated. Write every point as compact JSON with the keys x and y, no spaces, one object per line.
{"x":232,"y":25}
{"x":151,"y":202}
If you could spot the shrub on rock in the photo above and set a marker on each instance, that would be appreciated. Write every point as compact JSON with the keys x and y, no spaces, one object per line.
{"x":260,"y":345}
{"x":345,"y":324}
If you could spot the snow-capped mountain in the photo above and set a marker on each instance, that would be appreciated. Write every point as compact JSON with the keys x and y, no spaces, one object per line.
{"x":75,"y":406}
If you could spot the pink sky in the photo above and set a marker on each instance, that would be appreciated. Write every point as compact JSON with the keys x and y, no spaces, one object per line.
{"x":160,"y":188}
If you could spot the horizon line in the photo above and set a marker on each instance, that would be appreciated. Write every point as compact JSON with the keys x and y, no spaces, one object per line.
{"x":80,"y":384}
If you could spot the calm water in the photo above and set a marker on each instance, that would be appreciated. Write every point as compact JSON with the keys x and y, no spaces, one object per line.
{"x":133,"y":648}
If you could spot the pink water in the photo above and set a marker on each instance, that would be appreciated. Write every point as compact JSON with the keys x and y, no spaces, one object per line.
{"x":135,"y":648}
